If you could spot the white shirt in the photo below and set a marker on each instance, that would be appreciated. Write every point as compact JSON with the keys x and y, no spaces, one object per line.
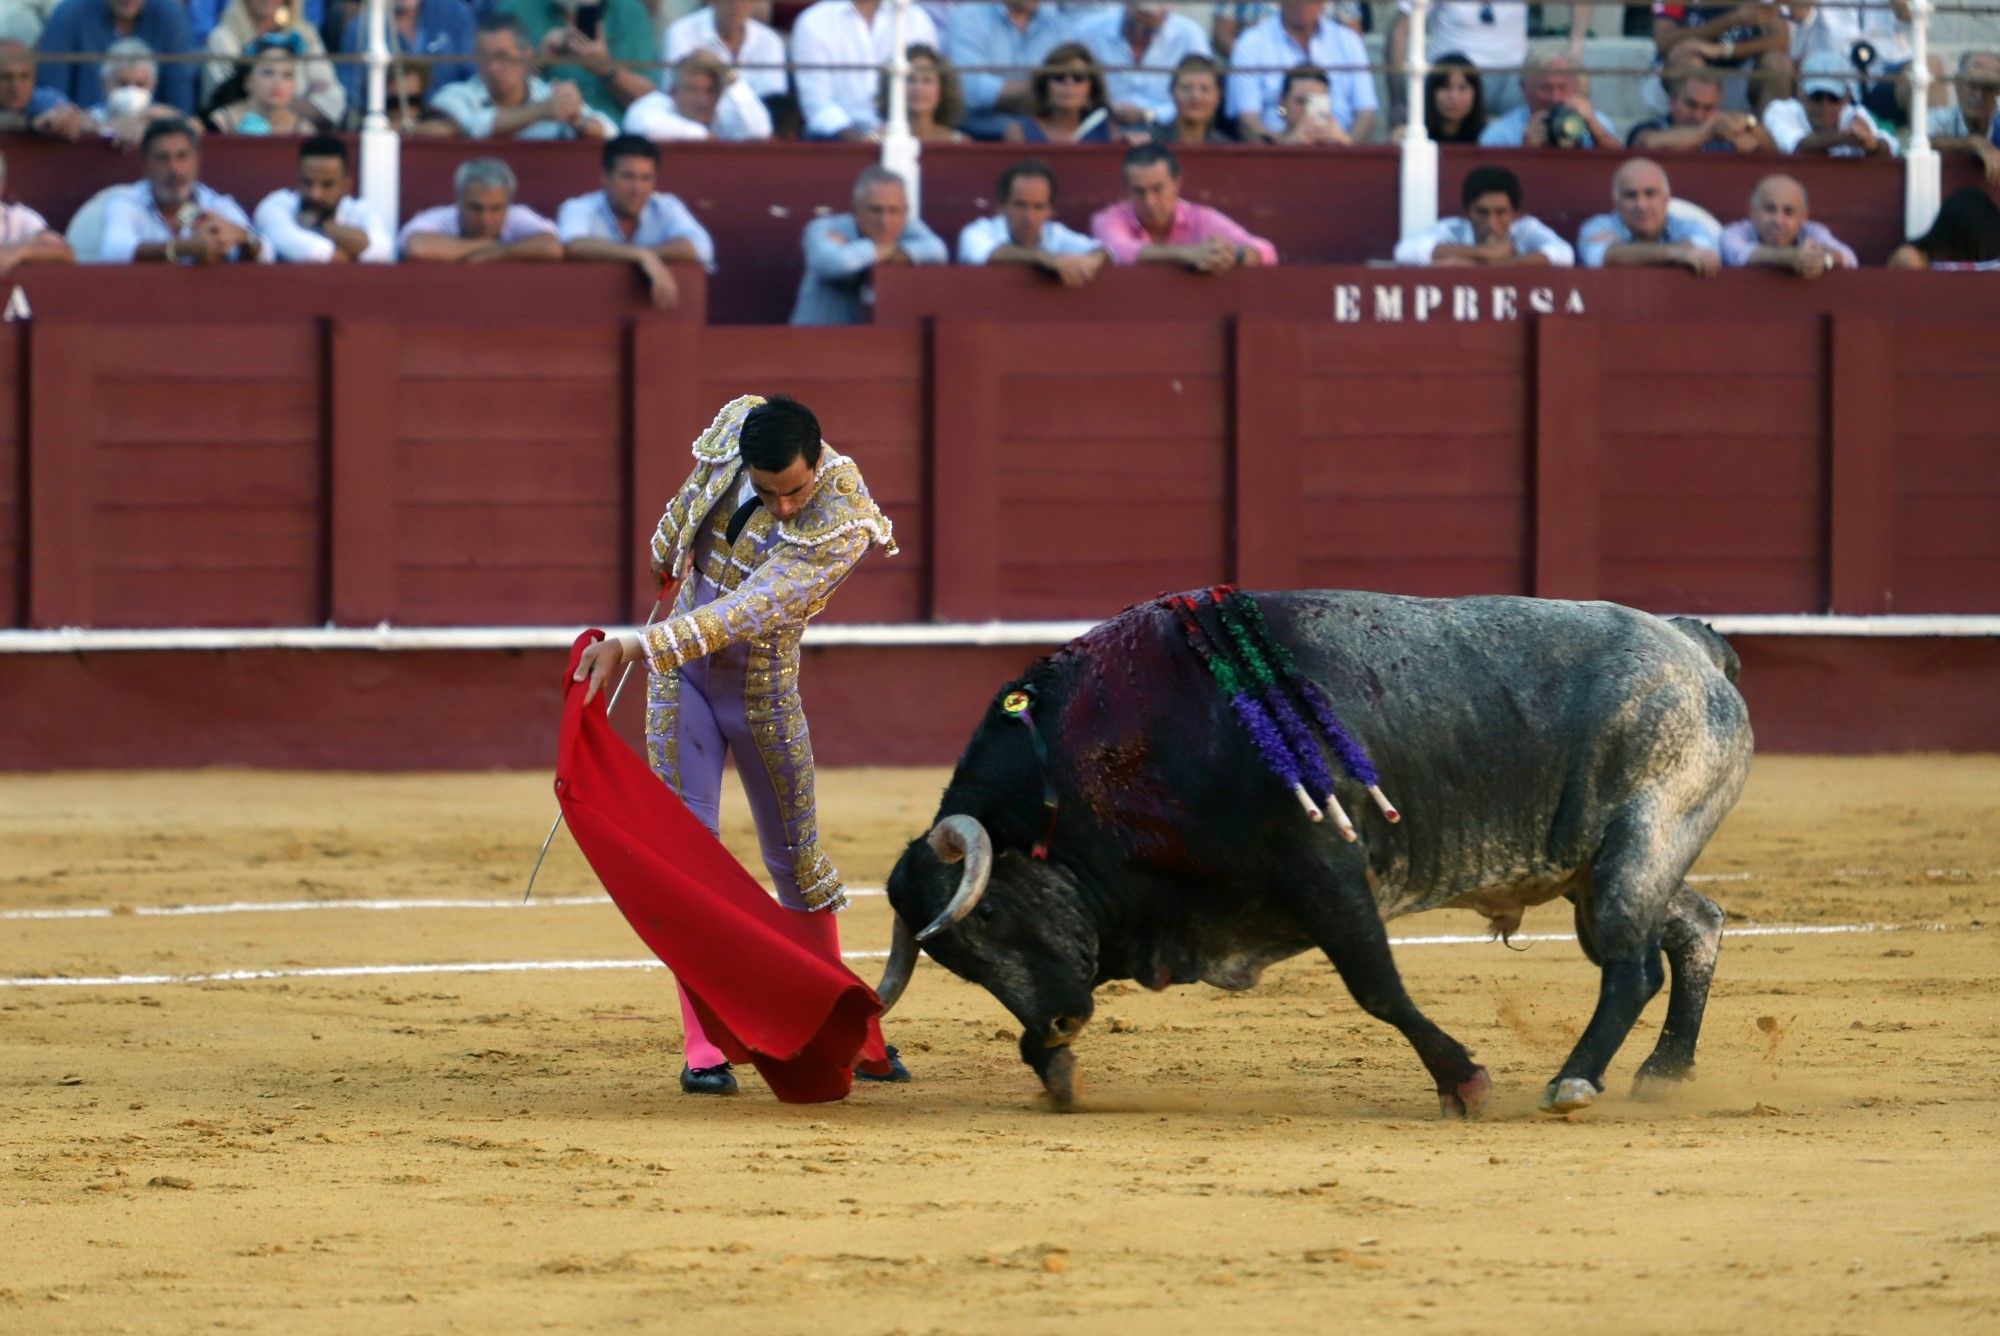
{"x":1531,"y":236}
{"x":20,"y":224}
{"x":1455,"y":27}
{"x":761,"y":46}
{"x":522,"y":223}
{"x":1103,"y":32}
{"x":663,"y":219}
{"x":278,"y":221}
{"x":982,"y":236}
{"x":1332,"y":46}
{"x":130,"y":221}
{"x":739,"y":114}
{"x":833,"y":32}
{"x":1789,"y":125}
{"x":1837,"y":30}
{"x":470,"y":104}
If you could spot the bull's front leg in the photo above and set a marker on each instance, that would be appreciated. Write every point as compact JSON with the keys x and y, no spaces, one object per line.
{"x":1046,"y":1048}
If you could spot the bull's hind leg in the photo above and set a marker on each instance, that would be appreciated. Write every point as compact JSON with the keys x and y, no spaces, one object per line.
{"x":1346,"y":925}
{"x":1691,"y":937}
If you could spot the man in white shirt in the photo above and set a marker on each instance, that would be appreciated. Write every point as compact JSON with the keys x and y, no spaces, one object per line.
{"x":1493,"y":36}
{"x":1152,"y":37}
{"x":170,"y":217}
{"x":1967,"y":125}
{"x":1026,"y":231}
{"x":506,"y":101}
{"x":840,"y":103}
{"x":1493,"y":233}
{"x":25,"y":236}
{"x":1300,"y":33}
{"x":1822,"y":119}
{"x":321,"y":222}
{"x":708,"y":100}
{"x":725,"y":29}
{"x":485,"y":226}
{"x":631,"y":222}
{"x":1884,"y":25}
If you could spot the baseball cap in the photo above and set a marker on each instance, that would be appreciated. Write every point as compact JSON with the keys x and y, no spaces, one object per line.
{"x":1824,"y":72}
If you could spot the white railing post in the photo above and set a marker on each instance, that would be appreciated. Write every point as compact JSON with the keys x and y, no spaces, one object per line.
{"x":900,"y":149}
{"x":1922,"y":180}
{"x":381,"y":148}
{"x":1418,"y":178}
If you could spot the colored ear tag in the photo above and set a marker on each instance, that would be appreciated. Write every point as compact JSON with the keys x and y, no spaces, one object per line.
{"x":1015,"y":703}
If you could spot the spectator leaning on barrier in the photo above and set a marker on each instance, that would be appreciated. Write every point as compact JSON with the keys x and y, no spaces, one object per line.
{"x":630,"y":221}
{"x":1304,"y":111}
{"x":1491,"y":35}
{"x":25,"y":236}
{"x":507,"y":100}
{"x":1494,"y":232}
{"x":1881,"y":29}
{"x":271,"y":103}
{"x":1966,"y":235}
{"x":1555,"y":112}
{"x":725,"y":30}
{"x":1695,"y":120}
{"x":439,"y":28}
{"x":1026,"y":230}
{"x":1643,"y":229}
{"x":840,"y":103}
{"x":1150,"y":36}
{"x":89,"y":27}
{"x":1753,"y":37}
{"x":1197,"y":93}
{"x":844,"y":251}
{"x":1300,"y":34}
{"x":242,"y":23}
{"x":29,"y":108}
{"x":709,"y":101}
{"x":130,"y":75}
{"x":1154,"y":225}
{"x":322,"y":222}
{"x":170,"y":217}
{"x":1967,"y":125}
{"x":607,"y":63}
{"x":1822,"y":120}
{"x":1067,"y":104}
{"x":484,"y":226}
{"x":1780,"y":234}
{"x":1016,"y":35}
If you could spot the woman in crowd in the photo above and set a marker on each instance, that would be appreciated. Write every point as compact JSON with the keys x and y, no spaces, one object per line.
{"x":1067,"y":99}
{"x":1966,"y":235}
{"x":270,"y":103}
{"x":1197,"y":93}
{"x":242,"y":23}
{"x":936,"y":99}
{"x":1454,"y":102}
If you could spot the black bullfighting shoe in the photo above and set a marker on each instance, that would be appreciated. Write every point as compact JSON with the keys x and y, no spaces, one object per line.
{"x":718,"y":1080}
{"x":897,"y":1073}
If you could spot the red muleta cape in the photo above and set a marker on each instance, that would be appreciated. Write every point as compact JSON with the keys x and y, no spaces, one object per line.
{"x":765,"y":993}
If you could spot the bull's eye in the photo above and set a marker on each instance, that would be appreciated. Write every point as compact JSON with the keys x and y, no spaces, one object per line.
{"x":983,"y":910}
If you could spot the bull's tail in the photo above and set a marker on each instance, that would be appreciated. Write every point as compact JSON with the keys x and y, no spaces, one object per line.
{"x":1712,"y":644}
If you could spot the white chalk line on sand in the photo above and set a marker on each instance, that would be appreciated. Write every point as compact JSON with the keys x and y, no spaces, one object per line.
{"x":581,"y":966}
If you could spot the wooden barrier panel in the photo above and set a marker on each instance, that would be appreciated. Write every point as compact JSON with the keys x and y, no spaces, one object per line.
{"x":1945,"y":482}
{"x":13,"y":477}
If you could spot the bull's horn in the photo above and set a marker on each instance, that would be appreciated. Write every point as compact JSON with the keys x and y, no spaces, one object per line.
{"x":955,"y":838}
{"x":902,"y":964}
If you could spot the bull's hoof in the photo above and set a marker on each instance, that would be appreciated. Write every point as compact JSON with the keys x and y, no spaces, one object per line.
{"x":1059,"y":1078}
{"x":1568,"y":1095}
{"x":1468,"y":1098}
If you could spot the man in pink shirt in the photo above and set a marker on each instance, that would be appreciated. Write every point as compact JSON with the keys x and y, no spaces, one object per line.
{"x":1157,"y":226}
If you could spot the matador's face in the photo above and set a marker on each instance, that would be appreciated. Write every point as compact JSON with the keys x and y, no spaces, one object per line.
{"x":786,"y":491}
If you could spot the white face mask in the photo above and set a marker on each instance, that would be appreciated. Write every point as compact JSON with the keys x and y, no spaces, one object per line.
{"x":127,"y":101}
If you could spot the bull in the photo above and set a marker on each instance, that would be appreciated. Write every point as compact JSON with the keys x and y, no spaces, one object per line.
{"x":1128,"y":828}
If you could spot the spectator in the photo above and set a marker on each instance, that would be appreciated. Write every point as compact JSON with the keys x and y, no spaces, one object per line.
{"x":1305,"y":111}
{"x":506,"y":100}
{"x":130,"y":75}
{"x":844,"y":251}
{"x":25,"y":236}
{"x":270,"y":104}
{"x":1151,"y":36}
{"x":606,"y":63}
{"x":1301,"y":34}
{"x":1644,"y":230}
{"x":1780,"y":234}
{"x":1067,"y":104}
{"x":1197,"y":91}
{"x":170,"y":217}
{"x":1822,"y":120}
{"x":837,"y":103}
{"x":322,"y":222}
{"x":1967,"y":125}
{"x":630,"y":222}
{"x":441,"y":28}
{"x":1493,"y":232}
{"x":30,"y":108}
{"x":709,"y":101}
{"x":1017,"y":34}
{"x":242,"y":23}
{"x":725,"y":30}
{"x":1484,"y":35}
{"x":410,"y":112}
{"x":1026,"y":231}
{"x":1884,"y":26}
{"x":1454,"y":102}
{"x":484,"y":226}
{"x":936,"y":105}
{"x":89,"y":27}
{"x":1695,"y":120}
{"x":1731,"y":36}
{"x":1231,"y":21}
{"x":1554,"y":111}
{"x":1966,"y":235}
{"x":1156,"y":226}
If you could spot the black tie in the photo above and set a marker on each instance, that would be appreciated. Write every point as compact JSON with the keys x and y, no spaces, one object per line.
{"x":738,"y":520}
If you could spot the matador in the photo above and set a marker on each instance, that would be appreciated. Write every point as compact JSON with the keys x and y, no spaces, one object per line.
{"x":763,"y":531}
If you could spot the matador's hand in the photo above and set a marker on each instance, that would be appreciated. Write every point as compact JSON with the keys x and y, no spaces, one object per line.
{"x":607,"y":656}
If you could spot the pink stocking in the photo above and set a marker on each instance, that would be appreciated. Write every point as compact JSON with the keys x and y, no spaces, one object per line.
{"x":699,"y":1053}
